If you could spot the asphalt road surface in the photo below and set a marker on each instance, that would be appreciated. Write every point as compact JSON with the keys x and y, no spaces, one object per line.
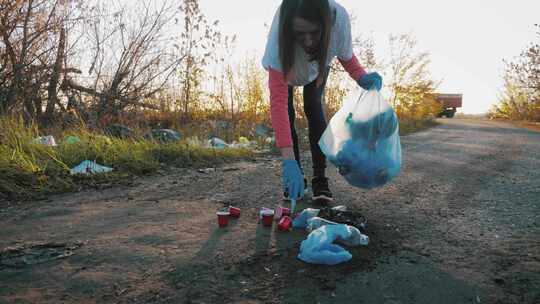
{"x":460,"y":224}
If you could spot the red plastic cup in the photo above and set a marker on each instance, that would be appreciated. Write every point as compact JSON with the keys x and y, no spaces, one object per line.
{"x":281,"y":212}
{"x":285,"y":224}
{"x":278,"y":213}
{"x":267,"y":217}
{"x":223,"y":218}
{"x":234,"y":212}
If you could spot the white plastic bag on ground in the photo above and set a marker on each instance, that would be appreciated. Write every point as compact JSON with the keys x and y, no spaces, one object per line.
{"x":362,"y":140}
{"x":319,"y":247}
{"x":89,"y":167}
{"x":46,"y":140}
{"x":218,"y":143}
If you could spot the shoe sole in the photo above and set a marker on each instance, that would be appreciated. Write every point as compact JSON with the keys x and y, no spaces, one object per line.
{"x":322,"y":198}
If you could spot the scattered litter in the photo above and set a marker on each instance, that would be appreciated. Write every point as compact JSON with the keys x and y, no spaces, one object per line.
{"x":341,"y":208}
{"x":164,"y":135}
{"x":341,"y":215}
{"x":71,"y":139}
{"x":234,"y":211}
{"x":270,"y":140}
{"x":300,"y":221}
{"x":243,"y":140}
{"x":30,"y":254}
{"x":319,"y":248}
{"x":206,"y":170}
{"x":262,"y":130}
{"x":223,"y":218}
{"x":263,"y":210}
{"x":285,"y":224}
{"x":89,"y":167}
{"x":267,"y":217}
{"x":217,"y":143}
{"x":46,"y":140}
{"x":281,"y":211}
{"x":118,"y":130}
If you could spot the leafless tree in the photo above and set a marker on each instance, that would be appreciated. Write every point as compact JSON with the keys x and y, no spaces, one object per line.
{"x":131,"y":53}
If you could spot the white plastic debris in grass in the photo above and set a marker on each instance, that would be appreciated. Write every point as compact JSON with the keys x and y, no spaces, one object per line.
{"x":270,"y":140}
{"x":89,"y":167}
{"x":218,"y":143}
{"x":243,"y":142}
{"x":46,"y":140}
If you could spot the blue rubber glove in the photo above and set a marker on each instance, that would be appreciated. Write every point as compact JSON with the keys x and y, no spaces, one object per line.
{"x":292,"y":177}
{"x":370,"y":80}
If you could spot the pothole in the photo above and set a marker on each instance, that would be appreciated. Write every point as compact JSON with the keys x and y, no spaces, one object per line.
{"x":31,"y":254}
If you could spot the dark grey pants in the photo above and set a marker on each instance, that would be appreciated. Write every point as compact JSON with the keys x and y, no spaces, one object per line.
{"x":314,"y":111}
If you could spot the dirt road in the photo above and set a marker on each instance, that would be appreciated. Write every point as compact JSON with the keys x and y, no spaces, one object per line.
{"x":461,"y":224}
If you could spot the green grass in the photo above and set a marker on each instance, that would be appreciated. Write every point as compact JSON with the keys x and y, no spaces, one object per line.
{"x":30,"y":170}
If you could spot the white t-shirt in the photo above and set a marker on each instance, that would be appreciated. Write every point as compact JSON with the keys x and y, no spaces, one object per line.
{"x":306,"y":71}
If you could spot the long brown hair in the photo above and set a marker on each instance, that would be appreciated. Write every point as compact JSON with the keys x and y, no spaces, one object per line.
{"x":315,"y":11}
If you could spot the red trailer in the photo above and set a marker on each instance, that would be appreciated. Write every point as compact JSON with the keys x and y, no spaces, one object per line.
{"x":449,"y":102}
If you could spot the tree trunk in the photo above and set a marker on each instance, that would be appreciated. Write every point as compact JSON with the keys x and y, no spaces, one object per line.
{"x":55,"y":78}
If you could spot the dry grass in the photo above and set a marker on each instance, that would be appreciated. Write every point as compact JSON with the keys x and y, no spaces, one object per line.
{"x":29,"y":170}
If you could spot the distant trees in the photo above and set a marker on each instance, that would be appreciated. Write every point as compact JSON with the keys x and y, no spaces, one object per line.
{"x":520,"y":99}
{"x":99,"y":57}
{"x":406,"y":75}
{"x":129,"y":55}
{"x":409,"y":79}
{"x":198,"y":40}
{"x":33,"y":48}
{"x":109,"y":61}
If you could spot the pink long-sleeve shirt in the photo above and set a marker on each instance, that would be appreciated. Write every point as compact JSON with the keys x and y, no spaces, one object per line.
{"x":279,"y":99}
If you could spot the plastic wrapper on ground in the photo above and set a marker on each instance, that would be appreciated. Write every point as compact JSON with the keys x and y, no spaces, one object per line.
{"x":319,"y":247}
{"x":89,"y":167}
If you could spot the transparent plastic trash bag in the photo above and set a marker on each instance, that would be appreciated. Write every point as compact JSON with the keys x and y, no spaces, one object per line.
{"x":362,"y":140}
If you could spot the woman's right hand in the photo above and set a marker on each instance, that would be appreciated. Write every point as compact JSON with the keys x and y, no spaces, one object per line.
{"x":293,"y":181}
{"x":370,"y":81}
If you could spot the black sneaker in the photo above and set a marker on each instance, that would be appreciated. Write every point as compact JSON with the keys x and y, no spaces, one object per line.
{"x":321,"y":192}
{"x":286,"y":193}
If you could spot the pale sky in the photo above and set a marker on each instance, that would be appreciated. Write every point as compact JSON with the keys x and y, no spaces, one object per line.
{"x":467,"y":39}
